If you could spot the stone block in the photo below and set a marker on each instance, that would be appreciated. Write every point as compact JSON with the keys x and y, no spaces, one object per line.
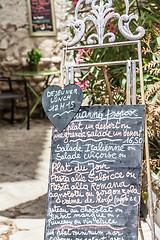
{"x":38,"y":79}
{"x":16,"y":53}
{"x":14,"y":39}
{"x":45,"y":63}
{"x":17,"y":116}
{"x":46,"y":47}
{"x":4,"y":43}
{"x":56,"y":80}
{"x":45,"y":60}
{"x":11,"y":28}
{"x":22,"y":33}
{"x":2,"y":54}
{"x":9,"y":58}
{"x":56,"y":59}
{"x":2,"y":31}
{"x":21,"y":105}
{"x":15,"y":16}
{"x":23,"y":62}
{"x":26,"y":45}
{"x":13,"y":63}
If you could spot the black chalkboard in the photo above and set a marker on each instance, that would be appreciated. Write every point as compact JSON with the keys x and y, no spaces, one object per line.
{"x":95,"y":175}
{"x":41,"y":18}
{"x":62,"y":105}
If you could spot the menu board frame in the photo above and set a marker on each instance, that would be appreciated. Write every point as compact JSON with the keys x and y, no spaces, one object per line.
{"x":42,"y":32}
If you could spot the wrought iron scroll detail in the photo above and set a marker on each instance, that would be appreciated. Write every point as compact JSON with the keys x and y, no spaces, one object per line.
{"x":100,"y":14}
{"x":123,"y":25}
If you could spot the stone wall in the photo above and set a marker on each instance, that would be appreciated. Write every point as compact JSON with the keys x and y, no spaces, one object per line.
{"x":15,"y":41}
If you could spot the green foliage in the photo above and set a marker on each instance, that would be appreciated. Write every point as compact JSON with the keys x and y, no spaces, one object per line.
{"x":151,"y":52}
{"x":148,"y":14}
{"x":158,"y":174}
{"x":148,"y":17}
{"x":33,"y":57}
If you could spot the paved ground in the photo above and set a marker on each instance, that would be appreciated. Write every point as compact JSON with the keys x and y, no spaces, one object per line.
{"x":24,"y":167}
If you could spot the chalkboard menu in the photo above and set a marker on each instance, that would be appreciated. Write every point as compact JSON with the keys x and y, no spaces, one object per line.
{"x":60,"y":105}
{"x":95,"y":175}
{"x":41,"y":18}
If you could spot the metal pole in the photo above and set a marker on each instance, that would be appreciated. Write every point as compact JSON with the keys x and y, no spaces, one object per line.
{"x":72,"y":76}
{"x":67,"y":76}
{"x":101,"y":64}
{"x":146,"y":146}
{"x":141,"y":72}
{"x":114,"y":44}
{"x":128,"y":82}
{"x":133,"y":83}
{"x":62,"y":68}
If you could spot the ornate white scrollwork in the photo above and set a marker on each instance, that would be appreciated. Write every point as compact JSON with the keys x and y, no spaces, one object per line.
{"x":123,"y":25}
{"x":100,"y":14}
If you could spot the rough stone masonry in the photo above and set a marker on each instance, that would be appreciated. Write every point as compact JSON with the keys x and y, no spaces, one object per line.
{"x":15,"y":42}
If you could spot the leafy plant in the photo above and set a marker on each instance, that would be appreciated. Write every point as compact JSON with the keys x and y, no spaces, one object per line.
{"x":97,"y":91}
{"x":151,"y":60}
{"x":152,"y":52}
{"x":33,"y":57}
{"x":94,"y":80}
{"x":152,"y":68}
{"x":158,"y":174}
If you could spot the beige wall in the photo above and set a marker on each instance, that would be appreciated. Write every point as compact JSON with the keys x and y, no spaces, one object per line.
{"x":15,"y":40}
